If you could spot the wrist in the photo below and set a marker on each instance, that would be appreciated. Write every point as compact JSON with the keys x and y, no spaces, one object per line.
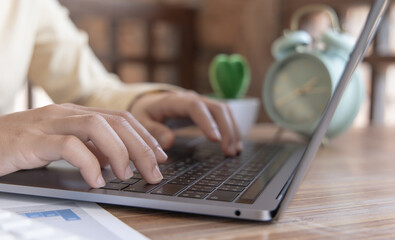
{"x":143,"y":95}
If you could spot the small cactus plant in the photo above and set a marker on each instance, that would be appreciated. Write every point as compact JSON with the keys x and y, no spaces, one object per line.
{"x":229,"y":76}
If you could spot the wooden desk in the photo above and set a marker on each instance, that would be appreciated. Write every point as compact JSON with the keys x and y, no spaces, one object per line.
{"x":349,"y":193}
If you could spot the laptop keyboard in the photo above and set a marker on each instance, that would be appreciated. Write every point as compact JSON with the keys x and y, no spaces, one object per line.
{"x":203,"y":172}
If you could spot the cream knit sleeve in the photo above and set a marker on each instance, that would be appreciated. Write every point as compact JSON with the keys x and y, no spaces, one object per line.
{"x":65,"y":66}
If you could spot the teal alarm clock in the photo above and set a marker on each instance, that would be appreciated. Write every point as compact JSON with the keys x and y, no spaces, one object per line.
{"x":301,"y":82}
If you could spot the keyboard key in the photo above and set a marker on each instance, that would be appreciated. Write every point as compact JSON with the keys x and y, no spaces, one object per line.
{"x":116,"y":180}
{"x":196,"y":172}
{"x":251,"y":170}
{"x":220,"y":172}
{"x":201,"y":188}
{"x":169,"y":189}
{"x":167,"y":176}
{"x":115,"y":186}
{"x":193,"y":194}
{"x":248,"y":173}
{"x":136,"y":175}
{"x":181,"y":181}
{"x":210,"y":183}
{"x":170,"y":172}
{"x":225,"y":196}
{"x":243,"y":177}
{"x":237,"y":183}
{"x":131,"y":181}
{"x":215,"y":178}
{"x":231,"y":188}
{"x":189,"y":176}
{"x":141,"y":186}
{"x":258,"y":165}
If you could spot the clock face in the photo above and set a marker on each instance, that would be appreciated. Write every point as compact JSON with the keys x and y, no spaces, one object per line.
{"x":300,"y":90}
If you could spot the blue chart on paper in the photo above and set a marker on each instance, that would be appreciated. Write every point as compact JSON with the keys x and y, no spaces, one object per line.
{"x":66,"y":214}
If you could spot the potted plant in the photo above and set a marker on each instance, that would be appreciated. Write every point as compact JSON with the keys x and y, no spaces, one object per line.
{"x":230,"y":78}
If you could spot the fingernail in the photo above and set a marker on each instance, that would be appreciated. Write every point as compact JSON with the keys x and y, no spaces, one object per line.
{"x":128,"y":172}
{"x":161,"y":154}
{"x":157,"y":173}
{"x":217,"y":135}
{"x":100,"y":181}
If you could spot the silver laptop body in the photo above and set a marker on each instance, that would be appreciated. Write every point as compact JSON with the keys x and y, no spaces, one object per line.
{"x":262,"y":196}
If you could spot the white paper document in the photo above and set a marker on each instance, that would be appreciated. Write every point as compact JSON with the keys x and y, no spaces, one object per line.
{"x":84,"y":219}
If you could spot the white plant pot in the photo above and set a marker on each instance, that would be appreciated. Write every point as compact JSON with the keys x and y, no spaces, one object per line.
{"x":245,"y":112}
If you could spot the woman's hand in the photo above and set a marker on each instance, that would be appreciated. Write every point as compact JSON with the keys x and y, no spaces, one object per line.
{"x":212,"y":117}
{"x":85,"y":137}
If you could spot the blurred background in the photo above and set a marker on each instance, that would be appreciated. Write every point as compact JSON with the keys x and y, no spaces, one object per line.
{"x":173,"y":41}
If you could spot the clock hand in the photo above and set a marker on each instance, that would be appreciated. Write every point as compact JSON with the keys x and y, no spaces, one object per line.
{"x":308,"y":85}
{"x":319,"y":90}
{"x":296,"y":92}
{"x":288,"y":97}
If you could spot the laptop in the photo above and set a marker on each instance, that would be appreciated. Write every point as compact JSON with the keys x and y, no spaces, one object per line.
{"x":198,"y":179}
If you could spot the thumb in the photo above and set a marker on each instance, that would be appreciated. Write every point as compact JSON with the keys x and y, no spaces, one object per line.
{"x":161,"y":133}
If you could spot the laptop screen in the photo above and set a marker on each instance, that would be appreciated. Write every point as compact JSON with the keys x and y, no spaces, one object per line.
{"x":372,"y":22}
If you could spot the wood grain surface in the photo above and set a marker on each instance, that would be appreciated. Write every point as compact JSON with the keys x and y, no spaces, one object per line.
{"x":348,"y":193}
